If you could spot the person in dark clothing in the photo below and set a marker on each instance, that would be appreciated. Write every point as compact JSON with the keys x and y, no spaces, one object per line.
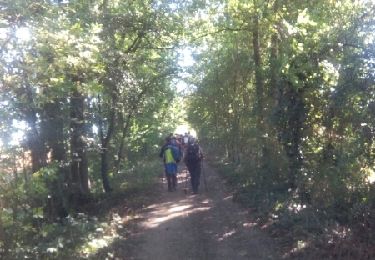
{"x":193,"y":160}
{"x":167,"y":142}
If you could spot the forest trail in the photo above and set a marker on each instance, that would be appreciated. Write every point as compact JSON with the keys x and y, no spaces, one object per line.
{"x":203,"y":226}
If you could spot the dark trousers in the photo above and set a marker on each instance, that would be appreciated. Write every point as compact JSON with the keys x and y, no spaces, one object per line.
{"x":172,"y":181}
{"x":195,"y":175}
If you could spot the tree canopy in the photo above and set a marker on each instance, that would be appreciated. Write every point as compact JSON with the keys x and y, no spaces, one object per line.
{"x":283,"y":91}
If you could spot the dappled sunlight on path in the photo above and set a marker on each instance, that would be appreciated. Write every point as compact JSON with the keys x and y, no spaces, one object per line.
{"x":203,"y":226}
{"x":181,"y":225}
{"x":159,"y":213}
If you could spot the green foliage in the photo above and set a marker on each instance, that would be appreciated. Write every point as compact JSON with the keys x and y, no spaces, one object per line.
{"x":303,"y":159}
{"x":119,"y":59}
{"x":24,"y":201}
{"x":138,"y":176}
{"x":283,"y":96}
{"x":41,"y":181}
{"x":28,"y":234}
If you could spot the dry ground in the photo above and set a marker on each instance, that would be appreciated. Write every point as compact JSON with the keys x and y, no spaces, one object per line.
{"x":203,"y":226}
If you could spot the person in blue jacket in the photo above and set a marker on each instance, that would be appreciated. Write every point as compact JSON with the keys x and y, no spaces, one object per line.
{"x":170,"y":153}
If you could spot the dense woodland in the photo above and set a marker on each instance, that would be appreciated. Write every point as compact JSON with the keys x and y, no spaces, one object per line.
{"x":281,"y":94}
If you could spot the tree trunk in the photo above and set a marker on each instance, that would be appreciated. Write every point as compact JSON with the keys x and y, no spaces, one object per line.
{"x":293,"y":131}
{"x":120,"y":153}
{"x":274,"y":90}
{"x":259,"y":88}
{"x":104,"y":170}
{"x":53,"y":132}
{"x":79,"y":169}
{"x":125,"y":127}
{"x":35,"y":144}
{"x":34,"y":140}
{"x":105,"y":141}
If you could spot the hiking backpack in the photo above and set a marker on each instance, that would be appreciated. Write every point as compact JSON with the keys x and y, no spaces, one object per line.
{"x":175,"y":152}
{"x":192,"y":153}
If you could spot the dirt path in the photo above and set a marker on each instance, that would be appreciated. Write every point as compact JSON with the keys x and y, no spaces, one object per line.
{"x":203,"y":226}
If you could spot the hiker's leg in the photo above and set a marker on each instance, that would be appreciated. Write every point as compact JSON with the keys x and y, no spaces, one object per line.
{"x":198,"y":176}
{"x":169,"y":180}
{"x":190,"y":169}
{"x":174,"y":181}
{"x":171,"y":171}
{"x":195,"y":180}
{"x":191,"y":173}
{"x":166,"y":174}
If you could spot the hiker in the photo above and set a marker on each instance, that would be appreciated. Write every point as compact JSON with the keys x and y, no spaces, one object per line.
{"x":168,"y":140}
{"x":171,"y":156}
{"x":180,"y":139}
{"x":193,"y":159}
{"x":186,"y":139}
{"x":179,"y":143}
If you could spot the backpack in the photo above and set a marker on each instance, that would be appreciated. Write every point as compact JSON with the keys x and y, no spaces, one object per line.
{"x":175,"y":152}
{"x":192,"y":153}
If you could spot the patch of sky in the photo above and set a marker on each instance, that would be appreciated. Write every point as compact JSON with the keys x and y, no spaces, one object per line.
{"x":185,"y":61}
{"x":19,"y":132}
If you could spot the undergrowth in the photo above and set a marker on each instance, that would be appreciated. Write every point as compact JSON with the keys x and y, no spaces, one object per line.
{"x":340,"y":229}
{"x":96,"y":224}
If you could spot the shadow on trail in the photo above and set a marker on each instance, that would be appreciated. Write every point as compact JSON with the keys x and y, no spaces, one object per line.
{"x":183,"y":226}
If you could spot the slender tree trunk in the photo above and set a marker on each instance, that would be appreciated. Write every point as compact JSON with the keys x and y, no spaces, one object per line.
{"x":293,"y":131}
{"x":259,"y":89}
{"x":259,"y":85}
{"x":275,"y":90}
{"x":328,"y":149}
{"x":125,"y":128}
{"x":236,"y":109}
{"x":105,"y":140}
{"x":2,"y":231}
{"x":104,"y":171}
{"x":120,"y":153}
{"x":79,"y":169}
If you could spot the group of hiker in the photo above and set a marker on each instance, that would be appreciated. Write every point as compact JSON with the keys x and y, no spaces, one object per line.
{"x":184,"y":148}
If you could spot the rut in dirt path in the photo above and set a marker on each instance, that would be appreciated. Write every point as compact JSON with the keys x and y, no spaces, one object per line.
{"x":204,"y":226}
